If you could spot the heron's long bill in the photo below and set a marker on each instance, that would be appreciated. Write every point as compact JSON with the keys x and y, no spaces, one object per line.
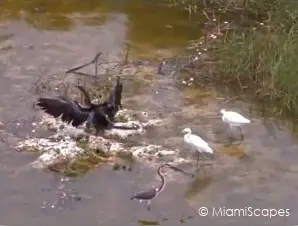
{"x":180,"y":170}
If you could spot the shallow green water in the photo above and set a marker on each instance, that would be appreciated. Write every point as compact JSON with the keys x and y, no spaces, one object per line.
{"x":149,"y":22}
{"x":46,"y":38}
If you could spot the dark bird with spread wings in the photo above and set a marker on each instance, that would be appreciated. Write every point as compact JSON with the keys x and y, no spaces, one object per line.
{"x":115,"y":98}
{"x":101,"y":116}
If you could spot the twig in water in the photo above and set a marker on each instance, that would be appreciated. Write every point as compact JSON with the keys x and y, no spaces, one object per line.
{"x":82,"y":74}
{"x":206,"y":15}
{"x":125,"y":59}
{"x":94,"y":61}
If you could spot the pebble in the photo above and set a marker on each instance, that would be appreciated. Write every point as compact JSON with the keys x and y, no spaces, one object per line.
{"x":213,"y":36}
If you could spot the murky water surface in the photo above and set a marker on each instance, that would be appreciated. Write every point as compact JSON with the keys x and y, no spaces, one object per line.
{"x":44,"y":38}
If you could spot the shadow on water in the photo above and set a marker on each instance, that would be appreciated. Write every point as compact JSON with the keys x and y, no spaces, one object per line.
{"x":148,"y":222}
{"x":199,"y":184}
{"x":261,"y":172}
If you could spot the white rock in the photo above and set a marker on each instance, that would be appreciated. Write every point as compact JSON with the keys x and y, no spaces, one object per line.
{"x":53,"y":151}
{"x":63,"y":145}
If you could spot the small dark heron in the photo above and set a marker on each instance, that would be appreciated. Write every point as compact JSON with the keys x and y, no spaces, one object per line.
{"x":151,"y":193}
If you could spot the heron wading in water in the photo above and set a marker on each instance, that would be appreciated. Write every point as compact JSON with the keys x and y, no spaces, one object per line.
{"x":196,"y":143}
{"x":148,"y":195}
{"x":234,"y":119}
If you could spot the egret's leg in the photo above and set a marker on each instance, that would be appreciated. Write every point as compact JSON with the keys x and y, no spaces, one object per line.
{"x":231,"y":137}
{"x":198,"y":156}
{"x":231,"y":132}
{"x":148,"y":205}
{"x":95,"y":65}
{"x":242,"y":133}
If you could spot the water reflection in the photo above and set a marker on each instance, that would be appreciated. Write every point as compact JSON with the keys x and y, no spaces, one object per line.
{"x":52,"y":15}
{"x":142,"y":222}
{"x":233,"y":150}
{"x":201,"y":183}
{"x":150,"y":22}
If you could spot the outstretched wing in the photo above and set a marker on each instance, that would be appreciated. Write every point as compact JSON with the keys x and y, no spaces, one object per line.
{"x":69,"y":111}
{"x":116,"y":96}
{"x":118,"y":92}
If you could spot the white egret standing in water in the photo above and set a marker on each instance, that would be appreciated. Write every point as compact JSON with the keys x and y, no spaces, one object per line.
{"x":234,"y":119}
{"x":196,"y":142}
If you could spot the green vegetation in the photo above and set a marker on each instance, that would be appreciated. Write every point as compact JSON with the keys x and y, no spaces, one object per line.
{"x":81,"y":165}
{"x":259,"y":54}
{"x":261,"y":58}
{"x":88,"y":161}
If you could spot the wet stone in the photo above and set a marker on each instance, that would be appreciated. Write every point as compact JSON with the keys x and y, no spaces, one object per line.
{"x":69,"y":143}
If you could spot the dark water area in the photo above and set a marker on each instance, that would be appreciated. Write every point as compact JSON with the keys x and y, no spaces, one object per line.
{"x":45,"y":38}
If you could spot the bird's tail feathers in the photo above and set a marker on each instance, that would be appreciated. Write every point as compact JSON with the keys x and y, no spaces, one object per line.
{"x":247,"y":121}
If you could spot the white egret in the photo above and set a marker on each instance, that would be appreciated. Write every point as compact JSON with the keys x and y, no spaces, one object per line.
{"x":196,"y":142}
{"x":234,"y":119}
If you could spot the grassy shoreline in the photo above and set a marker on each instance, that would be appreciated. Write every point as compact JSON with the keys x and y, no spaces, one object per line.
{"x":258,"y":55}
